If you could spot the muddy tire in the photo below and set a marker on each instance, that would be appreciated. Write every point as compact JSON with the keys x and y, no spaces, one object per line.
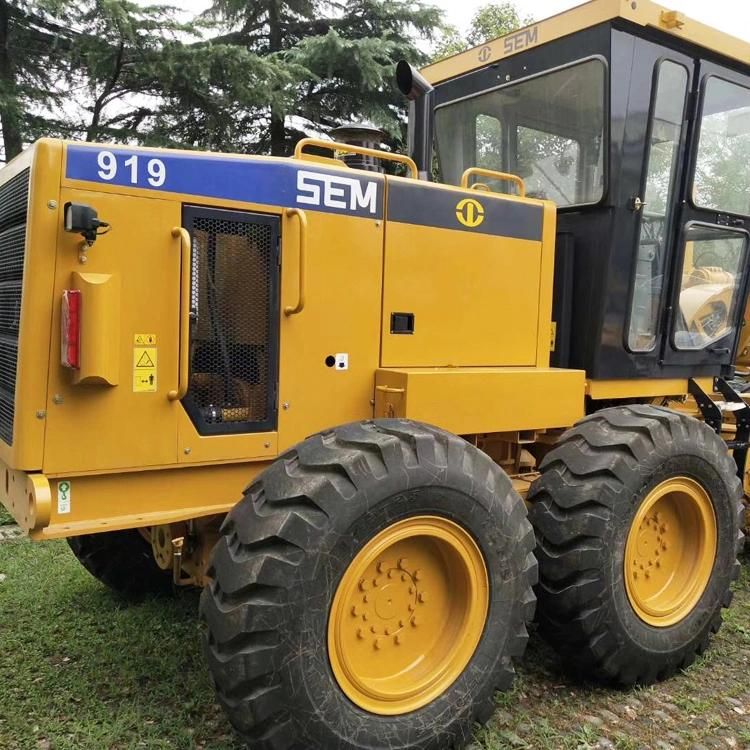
{"x":123,"y":561}
{"x":291,"y":547}
{"x":634,"y":572}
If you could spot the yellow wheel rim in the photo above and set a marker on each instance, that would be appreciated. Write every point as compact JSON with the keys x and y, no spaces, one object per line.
{"x":408,"y":615}
{"x":670,"y":551}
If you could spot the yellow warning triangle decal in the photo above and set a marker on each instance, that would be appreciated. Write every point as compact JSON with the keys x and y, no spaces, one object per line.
{"x":145,"y":361}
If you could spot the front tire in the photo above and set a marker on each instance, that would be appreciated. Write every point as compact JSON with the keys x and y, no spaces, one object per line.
{"x":637,"y":515}
{"x":361,"y":554}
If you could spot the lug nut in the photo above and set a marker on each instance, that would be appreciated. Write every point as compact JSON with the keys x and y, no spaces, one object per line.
{"x":418,"y":575}
{"x":364,"y":585}
{"x":382,"y":567}
{"x":422,"y":596}
{"x":360,"y":633}
{"x":356,"y":611}
{"x":402,"y":563}
{"x":378,"y":643}
{"x":415,"y":621}
{"x":398,"y":640}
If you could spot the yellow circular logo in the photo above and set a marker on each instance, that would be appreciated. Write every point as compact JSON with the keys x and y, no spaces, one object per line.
{"x":470,"y":212}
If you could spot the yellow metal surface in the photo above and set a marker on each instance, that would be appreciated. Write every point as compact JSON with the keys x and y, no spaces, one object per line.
{"x":27,"y":497}
{"x":99,"y":328}
{"x":473,"y":400}
{"x":461,"y":287}
{"x":408,"y":615}
{"x":97,"y":427}
{"x":647,"y":388}
{"x":109,"y":502}
{"x":409,"y":163}
{"x":44,"y":218}
{"x":341,"y":316}
{"x":640,"y":12}
{"x":670,"y":551}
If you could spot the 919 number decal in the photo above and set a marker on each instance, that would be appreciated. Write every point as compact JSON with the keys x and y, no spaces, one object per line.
{"x":156,"y":170}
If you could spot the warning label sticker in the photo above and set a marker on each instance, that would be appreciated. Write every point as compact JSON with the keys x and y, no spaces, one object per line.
{"x":144,"y":369}
{"x":144,"y":339}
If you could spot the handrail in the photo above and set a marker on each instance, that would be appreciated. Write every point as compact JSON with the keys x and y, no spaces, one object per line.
{"x":494,"y":175}
{"x":302,"y":218}
{"x":185,"y":273}
{"x":335,"y":146}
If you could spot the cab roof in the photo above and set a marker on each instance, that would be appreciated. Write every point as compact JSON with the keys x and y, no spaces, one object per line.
{"x":640,"y":12}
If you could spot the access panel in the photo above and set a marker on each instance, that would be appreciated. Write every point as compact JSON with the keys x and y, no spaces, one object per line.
{"x":463,"y":271}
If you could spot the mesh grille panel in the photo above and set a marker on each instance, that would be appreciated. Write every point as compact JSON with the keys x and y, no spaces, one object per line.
{"x":232,"y":375}
{"x":14,"y":198}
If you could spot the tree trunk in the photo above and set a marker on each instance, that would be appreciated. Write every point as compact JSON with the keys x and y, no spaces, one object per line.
{"x":278,"y":129}
{"x":9,"y":104}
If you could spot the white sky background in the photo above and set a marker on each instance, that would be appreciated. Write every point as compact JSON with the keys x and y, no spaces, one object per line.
{"x":732,"y":16}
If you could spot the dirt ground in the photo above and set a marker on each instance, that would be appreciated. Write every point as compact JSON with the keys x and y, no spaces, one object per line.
{"x":81,"y":670}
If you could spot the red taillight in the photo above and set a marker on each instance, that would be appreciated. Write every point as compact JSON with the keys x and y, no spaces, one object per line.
{"x":71,"y":329}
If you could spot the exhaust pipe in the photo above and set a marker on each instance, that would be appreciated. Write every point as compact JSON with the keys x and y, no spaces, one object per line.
{"x":421,"y":95}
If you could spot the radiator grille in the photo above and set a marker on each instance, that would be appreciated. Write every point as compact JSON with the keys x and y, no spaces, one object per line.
{"x":14,"y":200}
{"x":233,"y":306}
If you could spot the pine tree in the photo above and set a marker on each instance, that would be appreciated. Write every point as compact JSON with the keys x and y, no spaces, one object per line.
{"x":338,"y":58}
{"x":32,"y":45}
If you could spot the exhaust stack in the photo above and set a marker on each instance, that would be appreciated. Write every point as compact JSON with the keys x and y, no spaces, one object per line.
{"x":421,"y":95}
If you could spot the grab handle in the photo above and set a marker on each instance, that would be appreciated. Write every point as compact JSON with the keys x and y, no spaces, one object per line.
{"x":182,"y":377}
{"x":348,"y":148}
{"x":491,"y":173}
{"x":302,"y":218}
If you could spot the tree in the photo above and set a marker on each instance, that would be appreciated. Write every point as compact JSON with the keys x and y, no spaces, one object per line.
{"x":336,"y":60}
{"x":489,"y":22}
{"x":32,"y":44}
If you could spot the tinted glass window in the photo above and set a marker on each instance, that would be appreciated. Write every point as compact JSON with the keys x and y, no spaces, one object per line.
{"x":711,"y":275}
{"x":548,"y":130}
{"x":667,"y":122}
{"x":722,"y":173}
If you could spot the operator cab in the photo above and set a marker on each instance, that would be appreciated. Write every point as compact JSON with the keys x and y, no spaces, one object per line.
{"x":635,"y":121}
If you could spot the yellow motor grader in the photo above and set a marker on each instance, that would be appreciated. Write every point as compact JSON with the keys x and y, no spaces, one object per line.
{"x":328,"y":395}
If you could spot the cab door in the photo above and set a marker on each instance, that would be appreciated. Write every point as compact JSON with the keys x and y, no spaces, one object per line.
{"x":659,"y":116}
{"x":709,"y":282}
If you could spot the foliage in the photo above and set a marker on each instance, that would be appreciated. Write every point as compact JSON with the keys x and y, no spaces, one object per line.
{"x":248,"y":75}
{"x":339,"y":57}
{"x":489,"y":22}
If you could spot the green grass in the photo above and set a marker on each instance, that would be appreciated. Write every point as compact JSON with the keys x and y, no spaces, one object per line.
{"x":82,"y":670}
{"x":5,"y":518}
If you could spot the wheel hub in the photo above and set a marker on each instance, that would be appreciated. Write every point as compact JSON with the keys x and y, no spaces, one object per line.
{"x":670,"y":551}
{"x":408,"y":615}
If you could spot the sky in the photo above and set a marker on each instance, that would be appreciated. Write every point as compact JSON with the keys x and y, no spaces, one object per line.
{"x":732,"y":16}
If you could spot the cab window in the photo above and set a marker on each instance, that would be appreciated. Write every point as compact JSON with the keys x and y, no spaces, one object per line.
{"x":722,"y":171}
{"x":548,"y":129}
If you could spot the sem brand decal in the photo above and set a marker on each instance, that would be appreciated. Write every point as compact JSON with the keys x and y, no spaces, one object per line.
{"x":521,"y":40}
{"x":470,"y":212}
{"x":332,"y":191}
{"x":485,"y":53}
{"x":285,"y":183}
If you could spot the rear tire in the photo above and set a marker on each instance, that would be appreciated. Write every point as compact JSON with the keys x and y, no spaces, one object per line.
{"x":295,"y":542}
{"x":594,"y":495}
{"x":123,"y":561}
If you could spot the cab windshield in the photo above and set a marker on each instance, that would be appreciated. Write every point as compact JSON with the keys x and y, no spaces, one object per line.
{"x":549,"y":130}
